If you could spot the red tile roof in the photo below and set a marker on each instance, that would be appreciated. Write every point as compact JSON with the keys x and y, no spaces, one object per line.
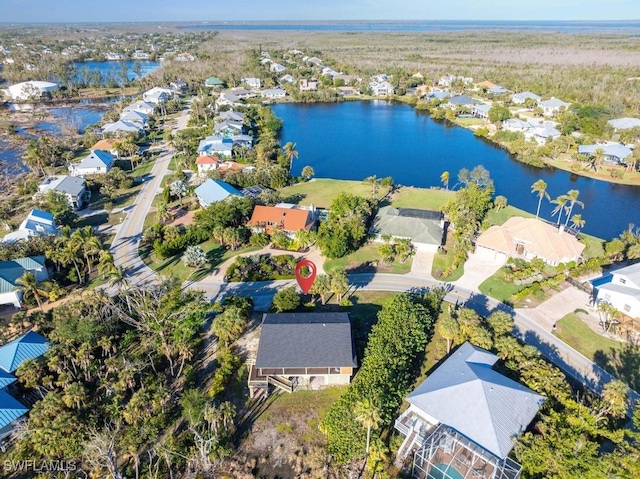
{"x":287,"y":219}
{"x":207,"y":160}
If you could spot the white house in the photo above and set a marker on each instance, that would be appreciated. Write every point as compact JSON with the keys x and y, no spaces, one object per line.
{"x":522,"y":97}
{"x":611,"y":152}
{"x":11,"y":271}
{"x":383,"y":88}
{"x":122,"y":127}
{"x":308,"y":85}
{"x":206,"y":163}
{"x":97,"y":162}
{"x":542,"y":133}
{"x":141,"y":106}
{"x":74,"y":188}
{"x":37,"y":223}
{"x":228,"y":98}
{"x":621,"y":289}
{"x":553,"y":106}
{"x":624,"y":123}
{"x":135,"y":117}
{"x":277,"y":68}
{"x":273,"y":93}
{"x":157,"y":95}
{"x":253,"y":83}
{"x":216,"y":145}
{"x":287,"y":79}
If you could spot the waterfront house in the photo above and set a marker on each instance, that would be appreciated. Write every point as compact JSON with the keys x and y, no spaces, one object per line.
{"x":287,"y":79}
{"x":74,"y":188}
{"x":242,"y":93}
{"x":517,"y":125}
{"x":440,"y":94}
{"x":621,"y":289}
{"x":228,"y":128}
{"x":542,"y":133}
{"x":37,"y":223}
{"x":135,"y":117}
{"x":269,"y":219}
{"x":141,"y":106}
{"x":347,"y":90}
{"x":302,"y":351}
{"x":552,"y":106}
{"x":253,"y":83}
{"x":277,"y":67}
{"x":242,"y":140}
{"x":214,"y":82}
{"x":157,"y":95}
{"x":216,"y":145}
{"x":462,"y":420}
{"x":273,"y":93}
{"x":206,"y":163}
{"x":97,"y":162}
{"x":425,"y":228}
{"x":382,"y":88}
{"x":231,"y":115}
{"x":615,"y":153}
{"x":308,"y":85}
{"x":10,"y":272}
{"x":522,"y":97}
{"x":529,"y":238}
{"x":624,"y":123}
{"x":481,"y":110}
{"x":212,"y":191}
{"x":229,"y":99}
{"x":454,"y":102}
{"x":122,"y":128}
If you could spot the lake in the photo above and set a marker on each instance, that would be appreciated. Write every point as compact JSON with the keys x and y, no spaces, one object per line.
{"x":353,"y":140}
{"x":111,"y":71}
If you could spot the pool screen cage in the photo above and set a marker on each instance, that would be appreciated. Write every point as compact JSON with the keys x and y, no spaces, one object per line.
{"x":447,"y":454}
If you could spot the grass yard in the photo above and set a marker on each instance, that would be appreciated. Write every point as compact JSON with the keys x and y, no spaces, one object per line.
{"x":595,"y":246}
{"x":367,"y":260}
{"x":496,"y":287}
{"x":498,"y":218}
{"x":421,"y":198}
{"x":321,"y":192}
{"x":442,"y":262}
{"x":573,"y":331}
{"x":174,"y":266}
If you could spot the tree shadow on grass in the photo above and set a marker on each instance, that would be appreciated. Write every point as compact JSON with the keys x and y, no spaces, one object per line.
{"x":624,"y":363}
{"x":294,"y":199}
{"x":214,"y":258}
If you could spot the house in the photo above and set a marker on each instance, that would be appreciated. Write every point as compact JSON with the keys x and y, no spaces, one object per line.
{"x":425,"y":228}
{"x":97,"y":162}
{"x":315,"y":60}
{"x":231,"y":115}
{"x":253,"y":83}
{"x":214,"y":82}
{"x":108,"y":145}
{"x":141,"y":106}
{"x":348,"y":79}
{"x":383,"y":88}
{"x":276,"y":67}
{"x":308,"y":85}
{"x":157,"y":95}
{"x":624,"y":123}
{"x":326,"y":71}
{"x":184,"y":57}
{"x":517,"y":125}
{"x":269,"y":219}
{"x":10,"y":411}
{"x":611,"y":152}
{"x":206,"y":163}
{"x":529,"y":238}
{"x":440,"y":94}
{"x":135,"y":117}
{"x":287,"y":79}
{"x":243,"y":140}
{"x":522,"y":97}
{"x":229,"y":99}
{"x":242,"y":93}
{"x":273,"y":93}
{"x":10,"y":272}
{"x":212,"y":191}
{"x":347,"y":90}
{"x":464,"y":417}
{"x":485,"y":85}
{"x":481,"y":110}
{"x":121,"y":128}
{"x":216,"y":145}
{"x":460,"y":101}
{"x":265,"y":61}
{"x":37,"y":223}
{"x":28,"y":346}
{"x":228,"y":128}
{"x":621,"y":289}
{"x":542,"y":133}
{"x":497,"y":90}
{"x":303,"y":351}
{"x":552,"y":106}
{"x":140,"y":55}
{"x":178,"y":86}
{"x":74,"y":188}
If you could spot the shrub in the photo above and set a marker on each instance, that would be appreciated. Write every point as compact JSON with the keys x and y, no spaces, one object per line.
{"x":286,"y":299}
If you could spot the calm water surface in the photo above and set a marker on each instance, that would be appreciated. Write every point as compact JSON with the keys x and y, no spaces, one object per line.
{"x":353,"y":140}
{"x":113,"y":70}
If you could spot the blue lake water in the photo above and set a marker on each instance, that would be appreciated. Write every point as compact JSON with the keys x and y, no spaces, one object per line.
{"x":353,"y":140}
{"x":112,"y":70}
{"x":629,"y":26}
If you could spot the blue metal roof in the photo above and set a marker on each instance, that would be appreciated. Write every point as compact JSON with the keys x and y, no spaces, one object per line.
{"x":10,"y":409}
{"x":27,"y":346}
{"x":6,"y":379}
{"x":212,"y":191}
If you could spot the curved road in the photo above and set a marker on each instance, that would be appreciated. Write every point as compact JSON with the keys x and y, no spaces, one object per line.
{"x":125,"y":252}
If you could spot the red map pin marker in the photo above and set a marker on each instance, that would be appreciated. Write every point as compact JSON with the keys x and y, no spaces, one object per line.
{"x":305,"y":278}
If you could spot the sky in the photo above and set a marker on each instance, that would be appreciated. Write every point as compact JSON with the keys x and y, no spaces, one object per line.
{"x":48,"y":11}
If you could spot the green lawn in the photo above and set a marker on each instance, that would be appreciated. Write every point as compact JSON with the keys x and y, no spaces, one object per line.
{"x":322,"y":192}
{"x":573,"y":331}
{"x":367,"y":259}
{"x":175,"y":267}
{"x":499,"y":217}
{"x":421,"y":198}
{"x":441,"y":263}
{"x":496,"y":287}
{"x":595,"y":246}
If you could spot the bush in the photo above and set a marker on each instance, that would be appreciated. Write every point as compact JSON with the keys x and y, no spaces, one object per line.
{"x":261,"y":267}
{"x":259,"y":239}
{"x":286,"y":299}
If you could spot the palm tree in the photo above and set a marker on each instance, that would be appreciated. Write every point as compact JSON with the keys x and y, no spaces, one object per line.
{"x":367,"y":415}
{"x":500,"y":202}
{"x":29,"y":286}
{"x":290,"y":153}
{"x":162,"y":212}
{"x":307,"y":172}
{"x":572,"y":196}
{"x":540,"y":187}
{"x":577,"y":222}
{"x":444,"y":179}
{"x":596,"y":159}
{"x":373,"y":181}
{"x":560,"y":202}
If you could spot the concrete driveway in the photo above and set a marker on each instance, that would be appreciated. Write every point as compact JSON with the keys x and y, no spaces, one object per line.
{"x":478,"y":268}
{"x":422,"y":264}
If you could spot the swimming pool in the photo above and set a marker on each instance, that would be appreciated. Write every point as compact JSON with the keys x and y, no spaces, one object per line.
{"x":444,"y":471}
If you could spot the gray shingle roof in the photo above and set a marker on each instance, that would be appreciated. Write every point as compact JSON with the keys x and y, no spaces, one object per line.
{"x":422,"y":226}
{"x":299,"y":340}
{"x":466,"y":394}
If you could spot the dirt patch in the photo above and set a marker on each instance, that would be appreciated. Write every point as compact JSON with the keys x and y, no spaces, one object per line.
{"x":182,"y":217}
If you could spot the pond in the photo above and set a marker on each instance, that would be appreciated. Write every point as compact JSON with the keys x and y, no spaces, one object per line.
{"x":353,"y":140}
{"x":106,"y":72}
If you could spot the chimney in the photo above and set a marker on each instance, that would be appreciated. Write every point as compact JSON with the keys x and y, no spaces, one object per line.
{"x":561,"y":229}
